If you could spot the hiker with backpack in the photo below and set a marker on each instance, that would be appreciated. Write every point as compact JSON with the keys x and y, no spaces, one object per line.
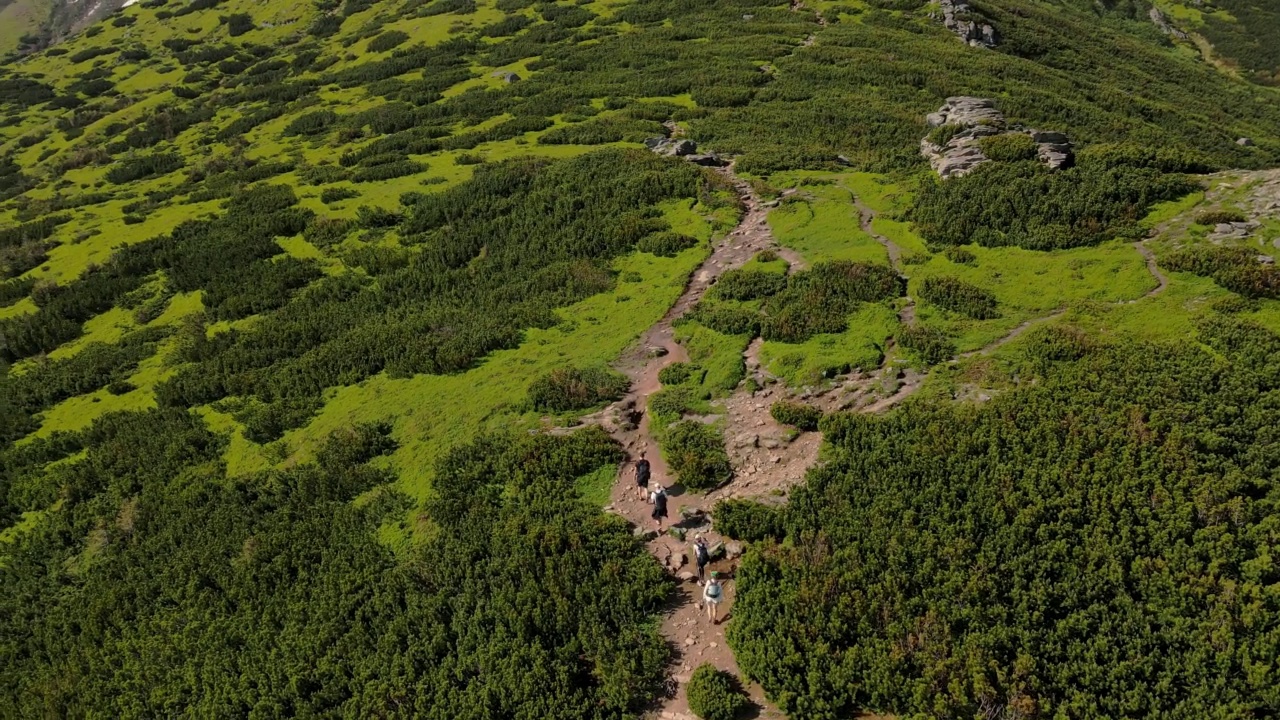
{"x":701,"y":555}
{"x":712,"y":594}
{"x":659,"y":505}
{"x":642,"y":475}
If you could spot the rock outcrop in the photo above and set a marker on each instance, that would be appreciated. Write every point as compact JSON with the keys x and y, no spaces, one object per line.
{"x":1159,"y":19}
{"x":675,"y":147}
{"x":972,"y":119}
{"x":687,"y":149}
{"x":960,"y":19}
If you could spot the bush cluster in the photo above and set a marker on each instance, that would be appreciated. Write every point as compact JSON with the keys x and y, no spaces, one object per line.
{"x":959,"y":296}
{"x":715,"y":694}
{"x":932,"y":345}
{"x":695,"y":452}
{"x":565,"y":389}
{"x":1234,"y":268}
{"x":796,"y":414}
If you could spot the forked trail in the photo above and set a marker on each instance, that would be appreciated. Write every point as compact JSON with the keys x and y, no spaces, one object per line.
{"x":767,"y":459}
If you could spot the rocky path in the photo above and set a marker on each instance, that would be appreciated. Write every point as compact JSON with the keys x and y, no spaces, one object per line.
{"x":694,"y":637}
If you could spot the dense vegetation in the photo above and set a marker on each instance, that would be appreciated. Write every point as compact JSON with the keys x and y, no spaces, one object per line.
{"x":1024,"y":204}
{"x":524,"y":600}
{"x":232,"y":217}
{"x":1049,"y":553}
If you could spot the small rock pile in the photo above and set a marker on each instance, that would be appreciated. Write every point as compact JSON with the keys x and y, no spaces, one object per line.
{"x":1233,"y":231}
{"x":958,"y":17}
{"x":978,"y":118}
{"x":687,"y":149}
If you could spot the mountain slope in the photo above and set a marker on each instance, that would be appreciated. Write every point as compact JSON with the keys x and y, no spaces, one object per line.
{"x":289,"y":293}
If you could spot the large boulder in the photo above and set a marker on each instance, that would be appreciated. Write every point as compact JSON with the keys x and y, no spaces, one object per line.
{"x":974,"y":118}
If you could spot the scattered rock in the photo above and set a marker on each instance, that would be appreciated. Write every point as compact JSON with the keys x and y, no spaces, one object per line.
{"x":732,"y":550}
{"x":1245,"y":142}
{"x":656,"y":351}
{"x":960,"y":19}
{"x":1159,"y":19}
{"x":645,"y":534}
{"x":688,"y":642}
{"x":507,"y":76}
{"x":685,"y":576}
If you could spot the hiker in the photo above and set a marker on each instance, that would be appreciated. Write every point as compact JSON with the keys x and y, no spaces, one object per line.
{"x":659,"y":505}
{"x":702,"y":555}
{"x":642,"y":476}
{"x":712,"y":593}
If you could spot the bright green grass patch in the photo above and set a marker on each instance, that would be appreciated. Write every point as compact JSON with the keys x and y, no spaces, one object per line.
{"x":433,"y":412}
{"x":718,"y":354}
{"x":861,"y":346}
{"x":597,"y":487}
{"x":1166,"y":211}
{"x":1029,"y":284}
{"x":825,"y":227}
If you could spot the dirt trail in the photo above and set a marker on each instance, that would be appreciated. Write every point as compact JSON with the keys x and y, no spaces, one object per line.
{"x":907,"y":314}
{"x":695,"y":639}
{"x":1162,"y":282}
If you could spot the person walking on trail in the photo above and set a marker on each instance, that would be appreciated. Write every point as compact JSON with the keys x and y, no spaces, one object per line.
{"x":642,"y":476}
{"x":702,"y":555}
{"x":659,"y":505}
{"x":712,"y":594}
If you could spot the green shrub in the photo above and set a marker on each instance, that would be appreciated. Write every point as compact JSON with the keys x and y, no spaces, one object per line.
{"x":238,"y":24}
{"x":942,"y":134}
{"x":820,"y":300}
{"x":565,"y":389}
{"x":727,"y":320}
{"x":120,"y":387}
{"x":796,"y":414}
{"x":695,"y":452}
{"x":1232,"y":304}
{"x":960,"y":256}
{"x":1009,"y":147}
{"x":748,"y":520}
{"x":387,"y":41}
{"x":1234,"y":268}
{"x":932,"y":345}
{"x":1027,"y":205}
{"x":336,"y":194}
{"x":670,"y":403}
{"x":749,"y":284}
{"x":666,"y":244}
{"x":324,"y":232}
{"x":1055,"y":343}
{"x":313,"y":123}
{"x":715,"y":694}
{"x":678,"y":373}
{"x":1214,"y":217}
{"x":959,"y":296}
